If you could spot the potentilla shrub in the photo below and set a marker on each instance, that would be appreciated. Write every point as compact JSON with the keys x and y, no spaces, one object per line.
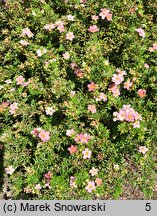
{"x":78,"y":99}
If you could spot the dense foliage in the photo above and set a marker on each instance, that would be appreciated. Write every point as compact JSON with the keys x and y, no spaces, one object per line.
{"x":78,"y":98}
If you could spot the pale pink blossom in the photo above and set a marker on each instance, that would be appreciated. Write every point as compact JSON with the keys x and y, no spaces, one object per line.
{"x":44,"y":135}
{"x":70,"y":17}
{"x":105,"y":13}
{"x":93,"y":29}
{"x":143,"y":149}
{"x":70,"y":132}
{"x":146,"y":65}
{"x":20,"y":80}
{"x":102,"y":97}
{"x":93,"y":171}
{"x":24,"y":42}
{"x":13,"y":108}
{"x":95,"y":18}
{"x":117,"y":78}
{"x":50,"y":111}
{"x":141,"y":32}
{"x":70,"y":36}
{"x":37,"y":187}
{"x":8,"y":81}
{"x":61,"y":28}
{"x":92,"y":108}
{"x":121,"y":72}
{"x":27,"y":32}
{"x":72,"y":182}
{"x":127,"y":84}
{"x":41,"y":52}
{"x":90,"y":187}
{"x":49,"y":26}
{"x":136,"y":124}
{"x":9,"y":170}
{"x":115,"y":91}
{"x":66,"y":55}
{"x":72,"y":149}
{"x":86,"y":153}
{"x":36,"y":131}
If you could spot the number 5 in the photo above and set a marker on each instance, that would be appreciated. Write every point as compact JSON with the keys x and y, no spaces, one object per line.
{"x":148,"y":207}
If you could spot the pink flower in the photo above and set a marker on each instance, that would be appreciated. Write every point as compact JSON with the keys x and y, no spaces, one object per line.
{"x":70,"y":36}
{"x":20,"y":80}
{"x":117,"y":78}
{"x":44,"y":135}
{"x":70,"y":132}
{"x":115,"y":91}
{"x":49,"y":27}
{"x":37,"y":187}
{"x":130,"y":117}
{"x":72,"y":182}
{"x":36,"y":131}
{"x":143,"y":149}
{"x":141,"y":32}
{"x":73,"y":149}
{"x":93,"y":29}
{"x":142,"y":93}
{"x":98,"y":181}
{"x":146,"y":65}
{"x":90,"y":187}
{"x":27,"y":32}
{"x":121,"y":72}
{"x":48,"y":175}
{"x":13,"y":108}
{"x":105,"y":13}
{"x":79,"y":72}
{"x":155,"y":46}
{"x":84,"y":138}
{"x":95,"y":18}
{"x":24,"y":42}
{"x":92,"y":108}
{"x":127,"y":84}
{"x":102,"y":97}
{"x":70,"y":17}
{"x":93,"y":171}
{"x":92,"y":86}
{"x":66,"y":55}
{"x":121,"y":115}
{"x":86,"y":153}
{"x":136,"y":124}
{"x":9,"y":170}
{"x":61,"y":28}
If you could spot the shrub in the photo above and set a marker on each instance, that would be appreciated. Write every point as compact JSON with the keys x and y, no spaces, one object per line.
{"x":78,"y":98}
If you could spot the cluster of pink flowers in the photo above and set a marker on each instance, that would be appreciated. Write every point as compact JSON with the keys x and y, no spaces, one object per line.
{"x":117,"y":79}
{"x":27,"y":32}
{"x":42,"y":134}
{"x":101,"y":97}
{"x":13,"y":108}
{"x":105,"y":13}
{"x":93,"y":29}
{"x":153,"y":48}
{"x":91,"y":184}
{"x":78,"y":72}
{"x":127,"y":113}
{"x":141,"y":32}
{"x":20,"y":81}
{"x":83,"y":138}
{"x":49,"y":26}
